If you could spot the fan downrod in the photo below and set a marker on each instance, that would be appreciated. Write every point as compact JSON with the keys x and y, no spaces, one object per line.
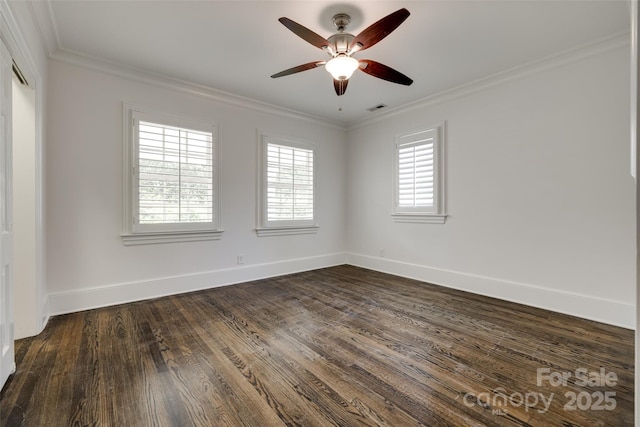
{"x":341,"y":21}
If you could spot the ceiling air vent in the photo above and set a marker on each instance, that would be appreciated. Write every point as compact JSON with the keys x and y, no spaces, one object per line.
{"x":377,"y":107}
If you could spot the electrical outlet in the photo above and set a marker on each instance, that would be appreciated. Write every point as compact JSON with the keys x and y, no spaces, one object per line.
{"x":240,"y":259}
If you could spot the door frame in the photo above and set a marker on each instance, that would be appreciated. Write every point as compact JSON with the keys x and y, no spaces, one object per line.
{"x":20,"y":50}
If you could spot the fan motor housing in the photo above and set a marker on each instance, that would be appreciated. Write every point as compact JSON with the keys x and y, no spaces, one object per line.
{"x":341,"y":42}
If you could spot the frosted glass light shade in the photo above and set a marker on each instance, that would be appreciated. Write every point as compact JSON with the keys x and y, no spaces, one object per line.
{"x":342,"y":67}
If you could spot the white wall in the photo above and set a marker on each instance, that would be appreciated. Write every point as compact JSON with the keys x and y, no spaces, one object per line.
{"x":539,"y":193}
{"x":88,"y":265}
{"x":539,"y":196}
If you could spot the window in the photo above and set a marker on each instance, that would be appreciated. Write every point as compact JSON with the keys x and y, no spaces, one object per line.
{"x":287,"y":202}
{"x":419,"y":187}
{"x":171,"y":178}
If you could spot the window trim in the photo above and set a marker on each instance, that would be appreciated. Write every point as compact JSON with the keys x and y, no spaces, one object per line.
{"x":134,"y":234}
{"x":281,"y":228}
{"x":428,"y":215}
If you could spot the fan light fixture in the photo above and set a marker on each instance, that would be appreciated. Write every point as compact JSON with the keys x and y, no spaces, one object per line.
{"x":342,"y":67}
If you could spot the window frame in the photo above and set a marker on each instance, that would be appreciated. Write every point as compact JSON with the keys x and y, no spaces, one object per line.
{"x":138,"y":234}
{"x":285,"y":227}
{"x":435,"y":214}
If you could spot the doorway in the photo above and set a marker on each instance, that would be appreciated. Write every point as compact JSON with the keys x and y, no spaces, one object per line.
{"x":25,"y":311}
{"x":20,"y":205}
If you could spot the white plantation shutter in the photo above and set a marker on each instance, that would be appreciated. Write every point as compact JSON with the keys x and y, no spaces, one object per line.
{"x":419,"y":187}
{"x":286,"y":203}
{"x":289,"y":183}
{"x":175,"y":175}
{"x":415,"y":174}
{"x":171,"y":178}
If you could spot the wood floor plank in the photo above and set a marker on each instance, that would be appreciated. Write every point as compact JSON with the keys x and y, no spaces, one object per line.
{"x":208,"y":361}
{"x":60,"y":364}
{"x":341,"y":346}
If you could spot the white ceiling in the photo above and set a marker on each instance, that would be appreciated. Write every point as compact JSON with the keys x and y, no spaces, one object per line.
{"x":234,"y":46}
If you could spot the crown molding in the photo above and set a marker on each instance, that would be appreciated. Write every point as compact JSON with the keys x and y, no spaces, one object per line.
{"x":120,"y":70}
{"x":12,"y":34}
{"x":569,"y":56}
{"x":42,"y":15}
{"x":45,"y":22}
{"x":44,"y":19}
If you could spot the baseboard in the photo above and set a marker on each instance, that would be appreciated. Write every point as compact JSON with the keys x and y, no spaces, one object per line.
{"x":85,"y":299}
{"x":45,"y":315}
{"x":601,"y":310}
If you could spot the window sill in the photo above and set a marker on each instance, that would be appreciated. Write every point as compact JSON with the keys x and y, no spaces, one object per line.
{"x":285,"y":231}
{"x":170,"y":237}
{"x":420,"y":218}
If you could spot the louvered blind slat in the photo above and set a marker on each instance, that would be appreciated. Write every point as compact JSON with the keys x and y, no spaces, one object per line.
{"x":175,"y":174}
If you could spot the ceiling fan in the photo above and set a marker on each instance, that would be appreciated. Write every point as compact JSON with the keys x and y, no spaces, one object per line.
{"x":341,"y":46}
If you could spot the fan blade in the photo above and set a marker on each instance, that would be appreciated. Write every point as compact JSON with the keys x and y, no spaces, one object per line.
{"x":340,"y":86}
{"x":305,"y":33}
{"x":303,"y":67}
{"x":381,"y":71}
{"x":378,"y":30}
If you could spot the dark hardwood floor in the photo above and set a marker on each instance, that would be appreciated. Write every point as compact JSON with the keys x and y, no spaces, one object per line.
{"x":341,"y":346}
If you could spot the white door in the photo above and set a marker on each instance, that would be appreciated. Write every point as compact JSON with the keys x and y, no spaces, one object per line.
{"x":7,"y":362}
